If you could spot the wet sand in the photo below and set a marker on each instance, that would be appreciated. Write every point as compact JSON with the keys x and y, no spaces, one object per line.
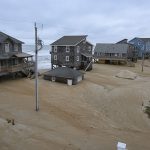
{"x":93,"y":115}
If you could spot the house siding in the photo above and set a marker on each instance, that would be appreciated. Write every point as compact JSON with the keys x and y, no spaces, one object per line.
{"x":11,"y":47}
{"x":12,"y":61}
{"x":147,"y":46}
{"x":141,"y":46}
{"x":115,"y":52}
{"x":77,"y":63}
{"x":61,"y":54}
{"x":75,"y":58}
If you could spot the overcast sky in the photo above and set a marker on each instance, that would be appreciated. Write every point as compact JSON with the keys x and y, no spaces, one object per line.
{"x":102,"y":20}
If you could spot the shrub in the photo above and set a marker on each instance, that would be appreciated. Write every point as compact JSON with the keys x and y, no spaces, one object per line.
{"x":147,"y":110}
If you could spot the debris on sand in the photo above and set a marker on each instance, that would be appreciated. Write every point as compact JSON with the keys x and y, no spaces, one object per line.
{"x":126,"y":74}
{"x":12,"y":121}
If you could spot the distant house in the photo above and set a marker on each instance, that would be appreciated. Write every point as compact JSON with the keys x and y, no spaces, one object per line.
{"x":73,"y":52}
{"x":142,"y":44}
{"x":12,"y":59}
{"x":64,"y":75}
{"x":124,"y":41}
{"x":119,"y":52}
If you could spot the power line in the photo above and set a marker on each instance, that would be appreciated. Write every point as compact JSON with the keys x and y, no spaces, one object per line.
{"x":14,"y":21}
{"x":22,"y":21}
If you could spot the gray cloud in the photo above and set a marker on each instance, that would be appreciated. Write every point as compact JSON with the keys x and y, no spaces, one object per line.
{"x":103,"y":21}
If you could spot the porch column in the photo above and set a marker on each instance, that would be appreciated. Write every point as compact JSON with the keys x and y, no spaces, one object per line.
{"x":0,"y":66}
{"x":7,"y":65}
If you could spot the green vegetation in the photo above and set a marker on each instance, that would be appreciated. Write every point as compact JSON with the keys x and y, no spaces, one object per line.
{"x":147,"y":110}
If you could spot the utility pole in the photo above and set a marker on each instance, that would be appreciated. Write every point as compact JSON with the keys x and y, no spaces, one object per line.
{"x":36,"y":69}
{"x":38,"y":46}
{"x":143,"y":57}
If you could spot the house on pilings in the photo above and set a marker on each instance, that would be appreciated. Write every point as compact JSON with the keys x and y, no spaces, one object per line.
{"x":120,"y":52}
{"x":73,"y":52}
{"x":142,"y":45}
{"x":12,"y":59}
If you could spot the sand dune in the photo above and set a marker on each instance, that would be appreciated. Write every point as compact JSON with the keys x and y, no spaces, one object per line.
{"x":93,"y":115}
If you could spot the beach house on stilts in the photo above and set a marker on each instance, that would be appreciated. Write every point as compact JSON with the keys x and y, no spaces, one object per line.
{"x":69,"y":54}
{"x":12,"y":59}
{"x":72,"y":52}
{"x":120,"y":52}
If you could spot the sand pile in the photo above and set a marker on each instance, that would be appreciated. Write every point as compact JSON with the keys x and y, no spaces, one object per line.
{"x":126,"y":74}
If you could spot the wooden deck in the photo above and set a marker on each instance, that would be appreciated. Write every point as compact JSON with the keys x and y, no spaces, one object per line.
{"x":111,"y":58}
{"x":15,"y":68}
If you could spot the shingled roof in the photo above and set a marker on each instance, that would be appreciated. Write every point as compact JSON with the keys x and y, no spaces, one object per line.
{"x":64,"y":72}
{"x":124,"y":41}
{"x":4,"y":36}
{"x":145,"y":39}
{"x":10,"y":55}
{"x":22,"y":55}
{"x":69,"y":40}
{"x":111,"y":48}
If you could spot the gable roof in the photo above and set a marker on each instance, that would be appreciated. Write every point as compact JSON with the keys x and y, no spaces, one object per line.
{"x":124,"y":41}
{"x":69,"y":40}
{"x":142,"y":39}
{"x":111,"y":48}
{"x":4,"y":36}
{"x":64,"y":72}
{"x":145,"y":39}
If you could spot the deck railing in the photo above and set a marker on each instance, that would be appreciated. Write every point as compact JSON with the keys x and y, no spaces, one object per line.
{"x":110,"y":57}
{"x":18,"y":67}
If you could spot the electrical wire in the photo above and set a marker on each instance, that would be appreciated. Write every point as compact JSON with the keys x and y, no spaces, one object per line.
{"x":39,"y":25}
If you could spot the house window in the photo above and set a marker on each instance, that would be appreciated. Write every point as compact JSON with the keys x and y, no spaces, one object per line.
{"x":89,"y":48}
{"x":55,"y":57}
{"x":67,"y":58}
{"x":15,"y":47}
{"x":15,"y":61}
{"x":77,"y":58}
{"x":124,"y":55}
{"x":6,"y":47}
{"x":120,"y":55}
{"x":67,"y":49}
{"x":78,"y":49}
{"x":55,"y":49}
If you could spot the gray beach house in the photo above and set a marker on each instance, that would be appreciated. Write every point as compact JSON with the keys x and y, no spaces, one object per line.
{"x":119,"y":52}
{"x":12,"y":59}
{"x":72,"y":52}
{"x":142,"y":44}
